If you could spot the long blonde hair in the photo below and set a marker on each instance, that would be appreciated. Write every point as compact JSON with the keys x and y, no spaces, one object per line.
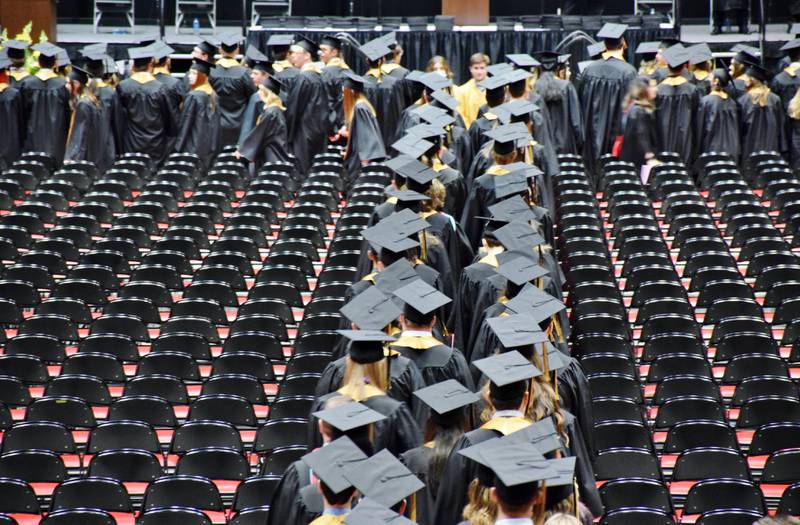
{"x":350,"y":98}
{"x":480,"y":509}
{"x":794,"y":106}
{"x":269,"y":98}
{"x":758,"y":92}
{"x":357,"y":376}
{"x":437,"y":194}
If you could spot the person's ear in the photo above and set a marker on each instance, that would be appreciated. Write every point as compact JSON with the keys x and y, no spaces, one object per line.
{"x":403,"y":507}
{"x":493,"y":495}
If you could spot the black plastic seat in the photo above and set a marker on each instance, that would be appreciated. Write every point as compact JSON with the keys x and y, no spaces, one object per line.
{"x":33,"y":466}
{"x":116,"y":435}
{"x":246,"y":386}
{"x":184,"y":491}
{"x":126,"y":465}
{"x":91,"y":493}
{"x":627,"y":463}
{"x":263,"y":343}
{"x":635,"y":492}
{"x":717,"y":494}
{"x":204,"y":434}
{"x":193,"y":344}
{"x":89,"y":388}
{"x":249,"y":363}
{"x":102,"y":365}
{"x":48,"y":348}
{"x":687,"y":408}
{"x":173,"y":516}
{"x":155,"y":411}
{"x":178,"y":364}
{"x":763,"y":410}
{"x":710,"y":462}
{"x":214,"y":463}
{"x":40,"y":435}
{"x":691,"y":434}
{"x":233,"y":409}
{"x":72,"y":412}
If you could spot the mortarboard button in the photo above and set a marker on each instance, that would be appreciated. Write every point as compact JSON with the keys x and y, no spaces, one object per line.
{"x":349,"y":416}
{"x":328,"y":462}
{"x":370,"y":512}
{"x":447,"y":396}
{"x":383,"y":478}
{"x":371,"y":309}
{"x":421,"y":296}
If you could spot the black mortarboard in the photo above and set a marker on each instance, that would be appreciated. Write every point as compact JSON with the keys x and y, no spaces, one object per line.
{"x":648,"y":48}
{"x":507,"y":368}
{"x":273,"y":84}
{"x":395,"y":276}
{"x":258,"y":60}
{"x":425,"y":131}
{"x":517,"y":75}
{"x":512,"y":463}
{"x":328,"y":462}
{"x":421,"y":296}
{"x":516,"y":331}
{"x":405,"y":222}
{"x":383,"y":478}
{"x":513,"y":183}
{"x":518,"y":236}
{"x":519,"y":267}
{"x":791,"y":44}
{"x":162,"y":50}
{"x":280,"y":40}
{"x":494,"y":83}
{"x":353,"y":81}
{"x":412,"y":146}
{"x":202,"y":66}
{"x":445,"y":99}
{"x":512,"y":209}
{"x":100,"y":48}
{"x":434,"y":115}
{"x":535,"y":303}
{"x":563,"y":60}
{"x":384,"y":236}
{"x":514,"y":108}
{"x":612,"y":31}
{"x":230,"y":41}
{"x":374,"y":50}
{"x":370,"y":512}
{"x":522,"y":60}
{"x":308,"y":45}
{"x":208,"y":46}
{"x":595,"y":50}
{"x":371,"y":309}
{"x":548,"y":60}
{"x":497,"y":70}
{"x":349,"y":416}
{"x":676,"y":56}
{"x":560,"y":487}
{"x":556,"y":360}
{"x":506,"y":138}
{"x":332,"y":41}
{"x":434,"y":81}
{"x":389,"y":39}
{"x":62,"y":58}
{"x":542,"y":434}
{"x":141,"y":53}
{"x":5,"y":62}
{"x":81,"y":75}
{"x":15,"y":48}
{"x":397,"y":162}
{"x":745,"y":54}
{"x":406,"y":196}
{"x":447,"y":396}
{"x":417,"y":171}
{"x":758,"y":72}
{"x":366,"y":346}
{"x":47,"y":49}
{"x":723,"y":75}
{"x":699,"y":54}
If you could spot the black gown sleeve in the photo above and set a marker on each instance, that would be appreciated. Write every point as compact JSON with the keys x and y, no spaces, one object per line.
{"x":188,"y":122}
{"x":584,"y":472}
{"x":367,"y":143}
{"x":284,"y":506}
{"x":262,"y":134}
{"x":78,"y":145}
{"x":452,"y":495}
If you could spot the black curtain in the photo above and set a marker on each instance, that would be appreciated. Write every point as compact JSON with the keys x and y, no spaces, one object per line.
{"x":457,"y":46}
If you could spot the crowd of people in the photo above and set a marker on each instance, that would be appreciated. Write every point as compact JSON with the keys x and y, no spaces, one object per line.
{"x":453,"y":396}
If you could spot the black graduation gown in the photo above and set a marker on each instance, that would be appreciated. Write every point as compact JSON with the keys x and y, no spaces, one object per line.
{"x":332,"y":75}
{"x":397,"y":433}
{"x":175,"y":89}
{"x":676,"y":106}
{"x":785,"y":85}
{"x":267,"y":141}
{"x":763,"y":128}
{"x":198,"y":131}
{"x":418,"y":460}
{"x":387,"y":99}
{"x":406,"y":378}
{"x":306,"y":112}
{"x":474,"y":293}
{"x":640,"y":135}
{"x":565,"y":119}
{"x":794,"y":152}
{"x":88,"y":134}
{"x":251,"y":114}
{"x":486,"y":121}
{"x":455,"y":188}
{"x":47,"y":113}
{"x":365,"y":142}
{"x":602,"y":89}
{"x":12,"y":125}
{"x":231,"y":81}
{"x":718,"y":125}
{"x":292,"y":504}
{"x":703,"y":85}
{"x":114,"y":121}
{"x":287,"y":75}
{"x":146,"y":114}
{"x":436,"y":362}
{"x":408,"y":119}
{"x":447,"y":230}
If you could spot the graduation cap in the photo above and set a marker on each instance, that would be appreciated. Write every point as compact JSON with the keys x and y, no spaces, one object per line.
{"x":512,"y":209}
{"x":395,"y":276}
{"x":258,"y":60}
{"x":517,"y":75}
{"x":162,"y":50}
{"x":447,"y":396}
{"x":405,"y":222}
{"x":80,"y":75}
{"x":513,"y":464}
{"x":507,"y":368}
{"x":208,"y":46}
{"x":421,"y":296}
{"x":62,"y":58}
{"x":331,"y":41}
{"x":745,"y":54}
{"x":371,"y":309}
{"x":445,"y":99}
{"x":699,"y":54}
{"x":353,"y":81}
{"x":230,"y":41}
{"x":517,"y":333}
{"x":505,"y":140}
{"x":555,"y":359}
{"x":535,"y":303}
{"x":560,"y":487}
{"x":612,"y":31}
{"x":514,"y":109}
{"x":47,"y":49}
{"x":273,"y":84}
{"x":519,"y":267}
{"x":370,"y":512}
{"x":384,"y":236}
{"x":203,"y":66}
{"x":434,"y":81}
{"x":406,"y":196}
{"x":416,"y":170}
{"x":328,"y":462}
{"x":280,"y":41}
{"x":434,"y":115}
{"x":390,"y":39}
{"x":518,"y":236}
{"x":425,"y":131}
{"x":649,"y":49}
{"x":523,"y":60}
{"x":374,"y":50}
{"x":758,"y":72}
{"x":512,"y":183}
{"x":15,"y":48}
{"x":542,"y":434}
{"x":548,"y":60}
{"x":497,"y":70}
{"x":412,"y":146}
{"x":366,"y":346}
{"x":349,"y":416}
{"x":676,"y":56}
{"x":563,"y":60}
{"x":595,"y":50}
{"x":5,"y":62}
{"x":307,"y":45}
{"x":100,"y":48}
{"x":141,"y":53}
{"x":383,"y":478}
{"x":791,"y":45}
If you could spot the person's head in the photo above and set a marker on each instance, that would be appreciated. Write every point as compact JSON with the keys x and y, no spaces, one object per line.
{"x":341,"y":499}
{"x":198,"y":73}
{"x":328,"y":49}
{"x":229,"y":49}
{"x":720,"y":78}
{"x":477,"y":66}
{"x":495,"y":97}
{"x":302,"y":52}
{"x":513,"y":396}
{"x":413,"y":319}
{"x":438,"y":64}
{"x":562,"y":519}
{"x":518,"y":89}
{"x":615,"y":44}
{"x":77,"y":80}
{"x":47,"y":62}
{"x":142,"y":64}
{"x":517,"y":501}
{"x":258,"y":76}
{"x":204,"y":50}
{"x":640,"y":91}
{"x":437,"y":193}
{"x":397,"y":54}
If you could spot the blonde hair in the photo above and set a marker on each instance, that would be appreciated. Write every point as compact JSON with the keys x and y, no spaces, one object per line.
{"x":794,"y":105}
{"x":758,"y":92}
{"x":437,"y":194}
{"x":349,"y":100}
{"x":269,"y":98}
{"x":562,"y":519}
{"x":357,"y":376}
{"x":480,"y":509}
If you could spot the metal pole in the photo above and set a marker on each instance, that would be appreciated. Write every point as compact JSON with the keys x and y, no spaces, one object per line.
{"x":161,"y":20}
{"x":244,"y":18}
{"x":763,"y":30}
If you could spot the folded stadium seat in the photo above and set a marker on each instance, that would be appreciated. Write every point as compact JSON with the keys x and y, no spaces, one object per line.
{"x":779,"y":292}
{"x":58,"y":326}
{"x":613,"y":409}
{"x":220,"y":200}
{"x":76,"y":310}
{"x":632,"y":493}
{"x":102,"y":365}
{"x":307,"y":220}
{"x":285,"y":245}
{"x":133,"y":467}
{"x":178,"y":364}
{"x":204,"y":208}
{"x":195,"y":220}
{"x":627,"y":462}
{"x":787,"y":311}
{"x":35,"y":274}
{"x":280,"y":433}
{"x":600,"y":343}
{"x":120,"y":324}
{"x":735,"y":345}
{"x":130,"y":178}
{"x":656,"y":290}
{"x":117,"y":435}
{"x":773,"y":437}
{"x":729,"y":517}
{"x":263,"y":343}
{"x":70,"y":411}
{"x":342,"y":258}
{"x":743,"y":366}
{"x":185,"y":491}
{"x":709,"y":274}
{"x":698,"y":433}
{"x":241,"y":385}
{"x":89,"y":388}
{"x":124,"y":246}
{"x":244,"y":362}
{"x":738,"y":324}
{"x":307,"y":362}
{"x":616,"y":385}
{"x":678,"y":409}
{"x":233,"y":409}
{"x":138,"y":235}
{"x":773,"y":275}
{"x":13,"y":392}
{"x":205,"y":308}
{"x":216,"y":186}
{"x":155,"y":411}
{"x":780,"y":469}
{"x":291,"y":407}
{"x":92,"y":493}
{"x":597,"y":306}
{"x":191,"y":325}
{"x":48,"y":348}
{"x":296,"y":385}
{"x":173,"y":258}
{"x":194,"y":344}
{"x":649,"y":273}
{"x":280,"y":459}
{"x":609,"y":363}
{"x":760,"y":386}
{"x":79,"y":517}
{"x":236,"y":260}
{"x":243,"y":245}
{"x":168,"y":387}
{"x":122,"y":347}
{"x":91,"y":292}
{"x":221,"y":292}
{"x":222,"y":273}
{"x":40,"y":468}
{"x":255,"y":493}
{"x":259,"y":323}
{"x":675,"y":386}
{"x":593,"y":289}
{"x":173,"y":516}
{"x":670,"y":324}
{"x":18,"y":236}
{"x":790,"y":500}
{"x":672,"y":364}
{"x":13,"y":187}
{"x":17,"y":498}
{"x":159,"y":273}
{"x":197,"y":236}
{"x":27,"y":220}
{"x":23,"y":293}
{"x":112,"y":259}
{"x":274,"y":307}
{"x":272,"y":272}
{"x":718,"y":494}
{"x":214,"y":463}
{"x":616,"y":434}
{"x":204,"y":434}
{"x":284,"y":291}
{"x":664,"y":344}
{"x":708,"y":462}
{"x":726,"y":308}
{"x":184,"y":245}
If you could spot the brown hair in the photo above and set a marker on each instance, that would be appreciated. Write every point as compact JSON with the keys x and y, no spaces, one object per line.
{"x":439,"y":59}
{"x":479,"y":58}
{"x":794,"y":106}
{"x":480,"y":509}
{"x":349,"y":100}
{"x":637,"y":93}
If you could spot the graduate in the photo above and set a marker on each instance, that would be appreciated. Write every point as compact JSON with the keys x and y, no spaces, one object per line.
{"x":426,"y":84}
{"x":278,"y":49}
{"x":327,"y":464}
{"x":361,"y":129}
{"x":718,"y":118}
{"x":563,"y":106}
{"x":307,"y":106}
{"x":12,"y":124}
{"x":267,"y":141}
{"x":145,"y":108}
{"x":333,"y":71}
{"x":198,"y":130}
{"x":495,"y":90}
{"x":90,"y":128}
{"x":676,"y":106}
{"x":649,"y":53}
{"x":602,"y":88}
{"x":745,"y":56}
{"x":449,"y":403}
{"x":162,"y":70}
{"x":15,"y":50}
{"x":794,"y":130}
{"x":385,"y":92}
{"x":786,"y":82}
{"x":47,"y":106}
{"x":232,"y":84}
{"x":640,"y":140}
{"x":297,"y":499}
{"x":366,"y":381}
{"x":762,"y":116}
{"x":260,"y":69}
{"x":701,"y":62}
{"x":469,"y":94}
{"x":393,"y":67}
{"x":103,"y":68}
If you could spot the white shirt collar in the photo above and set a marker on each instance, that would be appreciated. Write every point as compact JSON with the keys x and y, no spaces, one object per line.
{"x":416,"y":333}
{"x":514,"y":521}
{"x":508,"y":413}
